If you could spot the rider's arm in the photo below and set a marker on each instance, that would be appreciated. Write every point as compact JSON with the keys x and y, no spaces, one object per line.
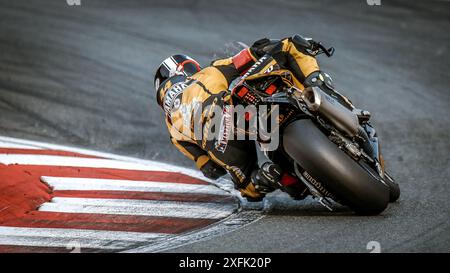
{"x":209,"y":168}
{"x":235,"y":66}
{"x":187,"y":146}
{"x":190,"y":149}
{"x":292,"y":52}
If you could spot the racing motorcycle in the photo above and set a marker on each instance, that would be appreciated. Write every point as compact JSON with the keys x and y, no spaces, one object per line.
{"x":325,"y":141}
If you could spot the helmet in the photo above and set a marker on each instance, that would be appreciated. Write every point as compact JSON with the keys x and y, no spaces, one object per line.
{"x":175,"y":65}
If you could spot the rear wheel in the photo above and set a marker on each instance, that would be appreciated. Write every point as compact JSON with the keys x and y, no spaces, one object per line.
{"x":337,"y":172}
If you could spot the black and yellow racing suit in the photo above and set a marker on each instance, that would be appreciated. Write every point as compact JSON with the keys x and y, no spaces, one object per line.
{"x":209,"y":87}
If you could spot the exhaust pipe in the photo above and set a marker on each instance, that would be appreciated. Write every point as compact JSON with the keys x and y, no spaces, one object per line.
{"x":319,"y":102}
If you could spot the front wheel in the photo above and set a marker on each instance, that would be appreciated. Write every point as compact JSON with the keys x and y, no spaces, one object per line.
{"x":394,"y":189}
{"x":339,"y":173}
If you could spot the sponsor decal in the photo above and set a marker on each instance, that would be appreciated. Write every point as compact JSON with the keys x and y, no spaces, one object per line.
{"x":254,"y":66}
{"x":172,"y":99}
{"x":268,"y":70}
{"x":226,"y":129}
{"x":317,"y":185}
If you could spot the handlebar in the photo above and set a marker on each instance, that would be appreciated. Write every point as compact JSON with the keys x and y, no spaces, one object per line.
{"x":319,"y":48}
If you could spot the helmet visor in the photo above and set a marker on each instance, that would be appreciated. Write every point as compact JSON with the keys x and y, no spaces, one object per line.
{"x":190,"y":67}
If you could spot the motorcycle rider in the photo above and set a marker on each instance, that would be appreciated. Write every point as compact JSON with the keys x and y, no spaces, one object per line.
{"x":182,"y":85}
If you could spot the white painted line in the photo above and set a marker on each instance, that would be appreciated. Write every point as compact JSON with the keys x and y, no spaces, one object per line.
{"x":230,"y":224}
{"x":162,"y":166}
{"x":80,"y":233}
{"x":228,"y":186}
{"x":65,"y":183}
{"x":43,"y":241}
{"x":51,"y":160}
{"x":12,"y":145}
{"x":139,"y":207}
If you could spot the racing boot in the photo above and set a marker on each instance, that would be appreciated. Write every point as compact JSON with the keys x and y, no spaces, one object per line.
{"x":267,"y":178}
{"x":262,"y":181}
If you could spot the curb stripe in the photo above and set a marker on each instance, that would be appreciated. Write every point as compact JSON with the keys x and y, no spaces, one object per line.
{"x":63,"y":242}
{"x":37,"y":249}
{"x":103,"y":173}
{"x":167,"y":196}
{"x":227,"y":225}
{"x":52,"y":160}
{"x":57,"y":197}
{"x":162,"y":166}
{"x":68,"y":233}
{"x":66,"y":183}
{"x":43,"y":219}
{"x":139,"y":207}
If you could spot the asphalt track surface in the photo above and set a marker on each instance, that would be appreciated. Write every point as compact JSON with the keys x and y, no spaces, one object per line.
{"x":82,"y":76}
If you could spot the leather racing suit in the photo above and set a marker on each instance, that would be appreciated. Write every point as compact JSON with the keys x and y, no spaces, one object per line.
{"x":183,"y":96}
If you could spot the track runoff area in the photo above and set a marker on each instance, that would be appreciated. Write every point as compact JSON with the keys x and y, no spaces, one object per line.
{"x":60,"y":199}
